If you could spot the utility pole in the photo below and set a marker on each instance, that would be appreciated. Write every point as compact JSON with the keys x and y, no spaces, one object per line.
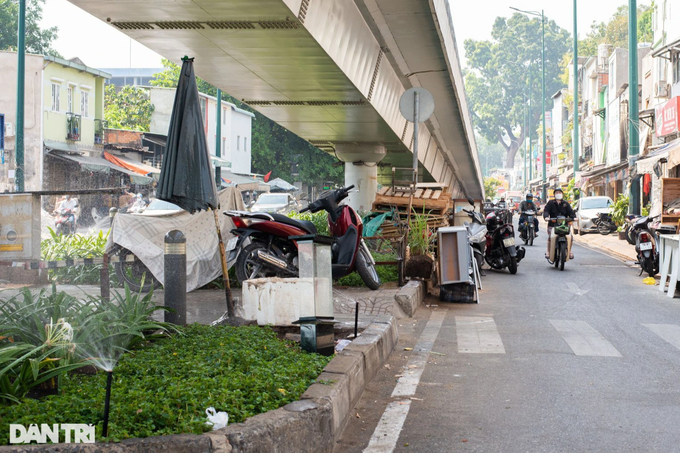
{"x":218,"y":139}
{"x":531,"y":151}
{"x":524,"y":108}
{"x":545,"y":189}
{"x":575,"y":144}
{"x":634,"y":139}
{"x":21,"y":77}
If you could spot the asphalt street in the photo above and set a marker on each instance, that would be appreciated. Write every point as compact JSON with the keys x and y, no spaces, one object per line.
{"x":583,"y":360}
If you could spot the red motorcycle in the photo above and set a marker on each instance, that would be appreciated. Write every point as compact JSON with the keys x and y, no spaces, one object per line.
{"x":263,"y":248}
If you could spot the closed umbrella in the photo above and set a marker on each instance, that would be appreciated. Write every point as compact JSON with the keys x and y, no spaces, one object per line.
{"x":186,"y":174}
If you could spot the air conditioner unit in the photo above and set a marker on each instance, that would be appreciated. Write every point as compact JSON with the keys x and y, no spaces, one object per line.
{"x":9,"y":130}
{"x":661,"y":89}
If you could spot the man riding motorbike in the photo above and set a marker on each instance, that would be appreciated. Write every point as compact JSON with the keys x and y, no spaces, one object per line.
{"x":555,"y":208}
{"x":528,"y":205}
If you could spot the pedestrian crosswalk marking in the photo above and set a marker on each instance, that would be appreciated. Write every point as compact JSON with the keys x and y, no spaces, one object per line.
{"x":478,"y":335}
{"x":583,"y":339}
{"x":669,"y":332}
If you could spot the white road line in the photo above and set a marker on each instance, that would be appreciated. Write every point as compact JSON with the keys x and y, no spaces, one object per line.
{"x":583,"y":339}
{"x":386,"y":434}
{"x":669,"y":332}
{"x":478,"y":335}
{"x":407,"y":384}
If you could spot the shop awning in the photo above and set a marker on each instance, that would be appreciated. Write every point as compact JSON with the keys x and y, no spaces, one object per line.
{"x":98,"y":164}
{"x":280,"y":184}
{"x":243,"y":182}
{"x":135,"y":167}
{"x":220,"y":162}
{"x":665,"y":51}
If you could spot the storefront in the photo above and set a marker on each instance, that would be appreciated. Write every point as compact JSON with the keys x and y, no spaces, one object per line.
{"x":607,"y":181}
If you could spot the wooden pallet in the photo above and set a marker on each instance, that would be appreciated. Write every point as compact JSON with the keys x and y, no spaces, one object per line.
{"x":435,"y":201}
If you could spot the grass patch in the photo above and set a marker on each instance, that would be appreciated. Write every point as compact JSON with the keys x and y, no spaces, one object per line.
{"x":165,"y":387}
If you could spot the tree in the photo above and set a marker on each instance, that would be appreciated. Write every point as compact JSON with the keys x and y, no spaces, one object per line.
{"x":490,"y":154}
{"x":130,"y":108}
{"x":490,"y":187}
{"x":615,"y":32}
{"x":38,"y":41}
{"x":273,"y":147}
{"x":497,"y":80}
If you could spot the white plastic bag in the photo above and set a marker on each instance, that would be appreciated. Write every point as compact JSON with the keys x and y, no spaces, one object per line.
{"x":217,"y":420}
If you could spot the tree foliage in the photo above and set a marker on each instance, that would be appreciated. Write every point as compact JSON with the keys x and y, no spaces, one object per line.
{"x":490,"y":187}
{"x":497,"y":82}
{"x":38,"y":41}
{"x":615,"y":32}
{"x":273,"y":147}
{"x":130,"y":108}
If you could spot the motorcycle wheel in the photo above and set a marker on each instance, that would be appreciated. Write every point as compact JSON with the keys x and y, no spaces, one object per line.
{"x":60,"y":230}
{"x":249,"y":266}
{"x":563,"y":255}
{"x":648,"y":266}
{"x":134,"y":273}
{"x":512,"y":267}
{"x":367,"y":270}
{"x":603,"y":228}
{"x":557,"y":257}
{"x":531,"y":237}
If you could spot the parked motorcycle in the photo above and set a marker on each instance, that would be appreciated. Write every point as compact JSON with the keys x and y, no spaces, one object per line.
{"x":501,"y":251}
{"x":527,"y":229}
{"x":604,"y":223}
{"x":647,"y":231}
{"x":476,"y":234}
{"x":628,"y":228}
{"x":265,"y":250}
{"x":560,"y":242}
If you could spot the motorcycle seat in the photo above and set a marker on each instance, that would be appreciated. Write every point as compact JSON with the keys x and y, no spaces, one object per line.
{"x":304,"y":225}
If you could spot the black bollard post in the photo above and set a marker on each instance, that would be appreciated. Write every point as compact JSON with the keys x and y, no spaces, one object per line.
{"x":107,"y":402}
{"x":356,"y":320}
{"x":104,"y":283}
{"x":176,"y":277}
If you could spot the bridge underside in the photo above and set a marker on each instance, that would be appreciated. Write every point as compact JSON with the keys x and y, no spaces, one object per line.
{"x":330,"y":71}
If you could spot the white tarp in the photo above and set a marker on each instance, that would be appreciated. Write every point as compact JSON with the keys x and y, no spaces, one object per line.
{"x":144,"y":236}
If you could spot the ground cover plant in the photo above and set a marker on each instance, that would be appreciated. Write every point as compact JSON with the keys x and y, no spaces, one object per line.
{"x":165,"y":387}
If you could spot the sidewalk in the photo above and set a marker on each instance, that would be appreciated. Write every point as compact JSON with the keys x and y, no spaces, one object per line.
{"x":609,"y":244}
{"x":205,"y":306}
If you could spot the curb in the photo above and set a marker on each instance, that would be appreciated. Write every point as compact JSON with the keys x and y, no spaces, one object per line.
{"x":312,"y":424}
{"x":409,"y":298}
{"x":614,"y":254}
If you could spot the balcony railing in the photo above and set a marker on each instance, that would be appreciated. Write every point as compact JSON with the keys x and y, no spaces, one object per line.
{"x":99,"y":126}
{"x":72,"y":126}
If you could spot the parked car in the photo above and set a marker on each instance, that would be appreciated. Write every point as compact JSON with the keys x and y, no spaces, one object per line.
{"x":275,"y":202}
{"x":587,"y":209}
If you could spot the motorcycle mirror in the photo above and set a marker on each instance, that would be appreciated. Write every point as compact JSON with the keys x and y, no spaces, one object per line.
{"x":471,"y":201}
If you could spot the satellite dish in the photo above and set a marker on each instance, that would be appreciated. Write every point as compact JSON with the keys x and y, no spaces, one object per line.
{"x":425,"y":104}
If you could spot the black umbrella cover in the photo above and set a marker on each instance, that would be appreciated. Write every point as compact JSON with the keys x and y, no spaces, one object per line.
{"x":186,"y":174}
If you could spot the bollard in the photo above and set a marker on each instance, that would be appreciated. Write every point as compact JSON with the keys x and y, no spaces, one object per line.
{"x":175,"y":263}
{"x":104,"y":283}
{"x":112,"y":214}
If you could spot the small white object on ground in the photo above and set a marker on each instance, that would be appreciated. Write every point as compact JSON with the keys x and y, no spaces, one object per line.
{"x":341,"y":345}
{"x":217,"y":420}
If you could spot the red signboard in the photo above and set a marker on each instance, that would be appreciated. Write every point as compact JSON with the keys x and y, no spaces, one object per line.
{"x":666,"y":117}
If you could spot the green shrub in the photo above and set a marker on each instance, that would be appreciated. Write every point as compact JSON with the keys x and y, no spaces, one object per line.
{"x":164,"y":388}
{"x":620,"y":209}
{"x":319,"y":219}
{"x":45,"y":334}
{"x":58,"y":248}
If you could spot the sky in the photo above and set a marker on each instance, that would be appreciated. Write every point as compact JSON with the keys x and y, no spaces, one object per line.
{"x":106,"y":47}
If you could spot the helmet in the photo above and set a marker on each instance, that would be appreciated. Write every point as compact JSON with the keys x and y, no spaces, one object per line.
{"x":559,"y":189}
{"x":491,"y":219}
{"x":530,"y":195}
{"x":139,"y":196}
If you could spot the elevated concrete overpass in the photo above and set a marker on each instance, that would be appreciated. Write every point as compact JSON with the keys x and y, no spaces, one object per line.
{"x":330,"y":71}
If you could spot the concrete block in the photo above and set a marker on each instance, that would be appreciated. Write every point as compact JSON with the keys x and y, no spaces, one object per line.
{"x":335,"y":389}
{"x":409,"y":298}
{"x":272,"y":301}
{"x":351,"y":364}
{"x":282,"y":431}
{"x":371,"y":347}
{"x":385,"y":333}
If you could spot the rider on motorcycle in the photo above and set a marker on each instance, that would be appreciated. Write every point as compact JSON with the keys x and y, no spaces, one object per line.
{"x":555,"y":208}
{"x":528,"y":205}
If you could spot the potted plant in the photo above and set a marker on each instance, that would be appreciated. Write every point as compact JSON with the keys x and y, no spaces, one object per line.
{"x":420,"y":246}
{"x":619,"y":211}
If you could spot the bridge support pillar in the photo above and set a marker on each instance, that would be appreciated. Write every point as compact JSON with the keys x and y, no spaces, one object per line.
{"x":361,"y":170}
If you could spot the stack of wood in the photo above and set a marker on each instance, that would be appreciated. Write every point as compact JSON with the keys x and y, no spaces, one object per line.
{"x":433,"y":202}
